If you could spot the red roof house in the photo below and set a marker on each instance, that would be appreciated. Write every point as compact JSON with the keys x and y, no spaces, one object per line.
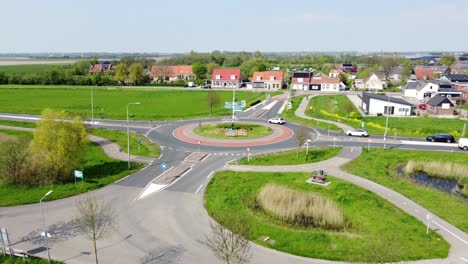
{"x":226,"y":78}
{"x":268,"y":79}
{"x":172,"y":72}
{"x":424,"y":73}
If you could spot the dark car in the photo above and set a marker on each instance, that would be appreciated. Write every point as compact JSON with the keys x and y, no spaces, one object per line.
{"x":441,"y":138}
{"x":208,"y":86}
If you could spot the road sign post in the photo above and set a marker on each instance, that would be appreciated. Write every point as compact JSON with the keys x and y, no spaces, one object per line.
{"x":163,"y":167}
{"x":428,"y":219}
{"x":78,"y":174}
{"x":248,"y":154}
{"x":198,"y":145}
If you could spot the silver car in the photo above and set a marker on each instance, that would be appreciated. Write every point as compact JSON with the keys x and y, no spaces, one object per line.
{"x":357,"y":133}
{"x":276,"y":120}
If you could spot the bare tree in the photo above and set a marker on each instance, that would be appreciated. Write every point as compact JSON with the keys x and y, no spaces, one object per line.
{"x":212,"y":99}
{"x":348,"y":107}
{"x":228,"y":246}
{"x":301,"y":137}
{"x":95,"y":219}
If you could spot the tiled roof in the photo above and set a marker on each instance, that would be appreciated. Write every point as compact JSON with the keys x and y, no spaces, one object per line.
{"x":171,"y":71}
{"x":330,"y":80}
{"x":96,"y":68}
{"x":225,"y":74}
{"x":266,"y":75}
{"x":422,"y":73}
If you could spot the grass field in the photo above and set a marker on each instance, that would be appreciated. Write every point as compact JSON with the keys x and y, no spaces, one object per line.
{"x":378,"y":231}
{"x":380,"y":165}
{"x":31,"y":260}
{"x":330,"y":107}
{"x":290,"y":157}
{"x":219,"y":131}
{"x":289,"y":115}
{"x":34,"y":68}
{"x":17,"y":123}
{"x":99,"y":170}
{"x":111,"y":102}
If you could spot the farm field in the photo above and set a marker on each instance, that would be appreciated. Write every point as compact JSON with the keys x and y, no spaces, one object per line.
{"x":333,"y":107}
{"x":380,"y":165}
{"x":111,"y":102}
{"x":33,"y":68}
{"x":376,"y":232}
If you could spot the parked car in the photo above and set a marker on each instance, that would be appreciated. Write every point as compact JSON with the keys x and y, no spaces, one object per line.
{"x":463,"y":143}
{"x":276,"y":120}
{"x":208,"y":86}
{"x":357,"y":133}
{"x":422,"y":106}
{"x":441,"y":138}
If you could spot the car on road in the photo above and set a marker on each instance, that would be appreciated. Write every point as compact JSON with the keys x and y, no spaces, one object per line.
{"x":441,"y":138}
{"x":276,"y":120}
{"x":463,"y":143}
{"x":357,"y":133}
{"x":208,"y":86}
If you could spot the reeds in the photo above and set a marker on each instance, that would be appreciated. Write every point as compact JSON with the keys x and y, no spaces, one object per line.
{"x":446,"y":170}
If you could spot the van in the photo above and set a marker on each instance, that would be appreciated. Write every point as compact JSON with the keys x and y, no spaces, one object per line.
{"x":463,"y":143}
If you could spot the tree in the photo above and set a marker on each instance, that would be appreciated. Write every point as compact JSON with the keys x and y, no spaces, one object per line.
{"x":81,"y":67}
{"x":199,"y":69}
{"x":388,"y":64}
{"x":95,"y":219}
{"x":406,"y":70}
{"x":209,"y":69}
{"x":348,"y":107}
{"x":136,"y":73}
{"x":230,"y":247}
{"x":121,"y":73}
{"x":447,"y":60}
{"x":57,"y":146}
{"x":343,"y":78}
{"x":301,"y":137}
{"x":14,"y":162}
{"x":94,"y":60}
{"x":212,"y":99}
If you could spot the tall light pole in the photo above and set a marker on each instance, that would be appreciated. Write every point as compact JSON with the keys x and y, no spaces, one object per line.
{"x":386,"y":121}
{"x":44,"y":225}
{"x":128,"y":133}
{"x":233,"y":106}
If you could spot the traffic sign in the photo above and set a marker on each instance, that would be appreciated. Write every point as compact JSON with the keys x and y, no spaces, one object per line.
{"x":248,"y":149}
{"x":198,"y":142}
{"x":163,"y":166}
{"x":78,"y":174}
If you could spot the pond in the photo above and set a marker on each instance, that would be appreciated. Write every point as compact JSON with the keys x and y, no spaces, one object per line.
{"x":449,"y":186}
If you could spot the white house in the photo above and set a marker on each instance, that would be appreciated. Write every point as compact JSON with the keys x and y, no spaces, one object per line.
{"x":420,"y":89}
{"x":330,"y":84}
{"x":373,"y":82}
{"x":374,"y":104}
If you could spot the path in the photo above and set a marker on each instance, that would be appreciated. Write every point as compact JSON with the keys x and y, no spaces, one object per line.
{"x":300,"y":112}
{"x":454,"y":236}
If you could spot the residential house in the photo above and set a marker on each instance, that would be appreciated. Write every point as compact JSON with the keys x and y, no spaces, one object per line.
{"x":449,"y":93}
{"x":459,"y":68}
{"x":359,"y":83}
{"x":348,"y":67}
{"x":335,"y":73}
{"x":430,"y":72}
{"x":457,"y":81}
{"x":465,"y":93}
{"x":330,"y":84}
{"x":373,"y":82}
{"x":268,"y":79}
{"x":374,"y":104}
{"x":172,"y":73}
{"x":316,"y":83}
{"x":420,"y":90}
{"x":439,"y":105}
{"x":102,"y":68}
{"x":226,"y":78}
{"x":301,"y":80}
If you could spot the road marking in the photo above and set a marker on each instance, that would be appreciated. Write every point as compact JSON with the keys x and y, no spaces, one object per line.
{"x":459,"y":238}
{"x":269,"y":106}
{"x":416,"y":210}
{"x":199,"y":188}
{"x":151,"y":188}
{"x":209,"y":175}
{"x":464,"y":259}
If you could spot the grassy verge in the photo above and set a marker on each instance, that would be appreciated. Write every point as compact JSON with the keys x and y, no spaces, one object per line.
{"x":17,"y":123}
{"x":31,"y":260}
{"x":372,"y":220}
{"x":111,"y":102}
{"x":32,"y":68}
{"x":99,"y":171}
{"x":219,"y":131}
{"x":146,"y":148}
{"x":291,"y":157}
{"x":332,"y":107}
{"x":289,"y":115}
{"x":380,"y":166}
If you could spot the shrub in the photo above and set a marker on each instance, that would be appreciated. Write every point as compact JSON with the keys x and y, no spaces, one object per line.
{"x":300,"y":208}
{"x":255,"y":102}
{"x":15,"y":162}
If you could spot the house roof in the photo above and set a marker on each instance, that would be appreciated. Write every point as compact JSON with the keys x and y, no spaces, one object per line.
{"x":225,"y":74}
{"x":330,"y":80}
{"x":302,"y":75}
{"x":448,"y":90}
{"x":438,"y":100}
{"x":419,"y":85}
{"x":422,"y":73}
{"x":96,"y":68}
{"x":171,"y":70}
{"x":457,"y":77}
{"x":265,"y":75}
{"x":465,"y":90}
{"x":368,"y":96}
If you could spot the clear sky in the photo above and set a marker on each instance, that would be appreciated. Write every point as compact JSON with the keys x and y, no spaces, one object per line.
{"x":235,"y":25}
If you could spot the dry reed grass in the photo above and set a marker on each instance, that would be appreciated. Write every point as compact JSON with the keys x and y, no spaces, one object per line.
{"x":447,"y":170}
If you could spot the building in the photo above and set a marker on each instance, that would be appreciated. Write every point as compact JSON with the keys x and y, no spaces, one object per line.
{"x":359,"y":83}
{"x":330,"y":84}
{"x":457,"y":81}
{"x":465,"y":93}
{"x":430,"y":72}
{"x":172,"y":73}
{"x":420,"y":90}
{"x":335,"y":73}
{"x":226,"y":78}
{"x":348,"y":67}
{"x":373,"y":82}
{"x":102,"y":68}
{"x":449,"y":93}
{"x":301,"y":80}
{"x":268,"y":79}
{"x":459,"y":68}
{"x":374,"y":104}
{"x":439,"y":105}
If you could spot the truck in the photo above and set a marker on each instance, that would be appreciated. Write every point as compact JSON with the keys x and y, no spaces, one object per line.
{"x":463,"y":143}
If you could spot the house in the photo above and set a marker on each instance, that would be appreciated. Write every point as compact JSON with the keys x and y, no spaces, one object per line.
{"x":374,"y":104}
{"x":226,"y":78}
{"x":171,"y":73}
{"x":459,"y":68}
{"x":301,"y":80}
{"x":457,"y":81}
{"x":373,"y":82}
{"x":335,"y":73}
{"x":359,"y":83}
{"x":330,"y":84}
{"x":449,"y":93}
{"x":268,"y":79}
{"x":348,"y":67}
{"x":465,"y":93}
{"x":439,"y":105}
{"x":102,"y":68}
{"x":430,"y":72}
{"x":316,"y":83}
{"x":420,"y":89}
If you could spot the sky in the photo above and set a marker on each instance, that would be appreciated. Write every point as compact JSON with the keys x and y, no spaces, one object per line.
{"x":232,"y":25}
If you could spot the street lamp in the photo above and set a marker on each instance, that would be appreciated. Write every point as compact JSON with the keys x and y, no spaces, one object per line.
{"x":233,"y":104}
{"x":386,"y":121}
{"x":44,"y":225}
{"x":128,"y":133}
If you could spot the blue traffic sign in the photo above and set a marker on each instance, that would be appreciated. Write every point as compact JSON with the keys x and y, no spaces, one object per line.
{"x":163,"y":166}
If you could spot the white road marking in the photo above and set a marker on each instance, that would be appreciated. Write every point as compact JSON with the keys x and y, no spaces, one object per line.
{"x":151,"y":188}
{"x":408,"y":142}
{"x":269,"y":106}
{"x":459,"y":238}
{"x":199,"y":188}
{"x":209,"y":175}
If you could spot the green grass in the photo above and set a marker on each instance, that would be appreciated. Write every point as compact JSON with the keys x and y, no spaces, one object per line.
{"x":99,"y":170}
{"x":219,"y":131}
{"x":112,"y":102}
{"x":31,"y":260}
{"x":17,"y":123}
{"x":232,"y":195}
{"x":33,"y":68}
{"x":330,"y":107}
{"x":290,"y":157}
{"x":289,"y":115}
{"x":380,"y":165}
{"x":146,"y":148}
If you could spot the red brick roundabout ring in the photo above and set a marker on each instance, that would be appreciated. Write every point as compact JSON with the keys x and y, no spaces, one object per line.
{"x":186,"y":134}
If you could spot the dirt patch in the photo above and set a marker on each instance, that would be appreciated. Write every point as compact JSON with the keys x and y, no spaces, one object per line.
{"x":5,"y":137}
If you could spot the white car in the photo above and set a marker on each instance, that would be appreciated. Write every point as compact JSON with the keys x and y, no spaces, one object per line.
{"x":357,"y":133}
{"x":463,"y":143}
{"x":276,"y":120}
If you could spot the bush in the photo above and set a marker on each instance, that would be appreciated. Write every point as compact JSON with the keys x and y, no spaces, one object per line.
{"x":255,"y":102}
{"x":300,"y":208}
{"x":15,"y":162}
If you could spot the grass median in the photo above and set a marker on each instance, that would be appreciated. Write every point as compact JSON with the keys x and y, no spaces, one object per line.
{"x":219,"y":131}
{"x":291,"y":157}
{"x":380,"y":166}
{"x":376,"y":230}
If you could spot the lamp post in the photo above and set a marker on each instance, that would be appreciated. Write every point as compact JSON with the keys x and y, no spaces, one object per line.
{"x":44,"y":225}
{"x":128,"y":133}
{"x":233,"y":104}
{"x":386,"y":121}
